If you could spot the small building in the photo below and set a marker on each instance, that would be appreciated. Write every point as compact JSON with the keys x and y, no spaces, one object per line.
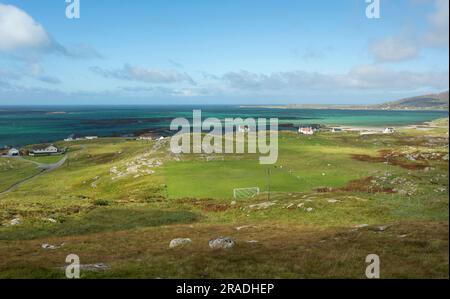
{"x":70,"y":138}
{"x":91,"y":137}
{"x":306,"y":130}
{"x":368,"y":132}
{"x":4,"y":151}
{"x":146,"y":136}
{"x":44,"y":150}
{"x":389,"y":131}
{"x":244,"y":129}
{"x":13,"y":152}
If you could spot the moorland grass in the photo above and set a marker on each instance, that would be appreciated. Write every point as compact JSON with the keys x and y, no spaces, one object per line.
{"x":13,"y":170}
{"x":128,"y":222}
{"x":101,"y":220}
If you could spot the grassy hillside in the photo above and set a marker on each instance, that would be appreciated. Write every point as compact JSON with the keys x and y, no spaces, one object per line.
{"x":427,"y":102}
{"x":335,"y":198}
{"x":13,"y":170}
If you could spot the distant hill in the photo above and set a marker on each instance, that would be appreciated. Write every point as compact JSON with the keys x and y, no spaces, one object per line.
{"x":437,"y":101}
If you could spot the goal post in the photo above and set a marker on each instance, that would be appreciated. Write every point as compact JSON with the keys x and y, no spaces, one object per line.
{"x":239,"y":193}
{"x":215,"y":158}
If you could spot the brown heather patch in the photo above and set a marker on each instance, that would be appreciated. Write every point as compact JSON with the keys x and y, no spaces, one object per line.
{"x":360,"y":185}
{"x":103,"y":158}
{"x":410,"y":165}
{"x":364,"y":185}
{"x":207,"y":205}
{"x":367,"y":158}
{"x":213,"y":207}
{"x":324,"y":189}
{"x":393,"y":158}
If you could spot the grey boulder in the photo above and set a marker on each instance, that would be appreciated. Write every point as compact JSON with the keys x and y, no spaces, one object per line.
{"x":222,"y":243}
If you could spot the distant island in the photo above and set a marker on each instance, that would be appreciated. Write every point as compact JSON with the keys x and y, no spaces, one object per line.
{"x":439,"y":101}
{"x":55,"y":113}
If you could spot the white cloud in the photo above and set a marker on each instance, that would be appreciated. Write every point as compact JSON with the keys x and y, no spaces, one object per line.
{"x":379,"y":77}
{"x":363,"y":77}
{"x":437,"y":35}
{"x":22,"y":35}
{"x":402,"y":48}
{"x":32,"y":70}
{"x":18,"y":30}
{"x":4,"y":85}
{"x":38,"y":73}
{"x":394,"y":49}
{"x":80,"y":51}
{"x":176,"y":64}
{"x":7,"y":74}
{"x":136,"y":73}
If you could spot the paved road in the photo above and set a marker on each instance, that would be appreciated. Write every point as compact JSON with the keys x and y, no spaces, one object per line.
{"x":44,"y":168}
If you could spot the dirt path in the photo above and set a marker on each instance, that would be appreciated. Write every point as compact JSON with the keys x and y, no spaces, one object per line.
{"x":44,"y":168}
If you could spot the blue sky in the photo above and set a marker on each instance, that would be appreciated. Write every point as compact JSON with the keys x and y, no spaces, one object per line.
{"x":221,"y":52}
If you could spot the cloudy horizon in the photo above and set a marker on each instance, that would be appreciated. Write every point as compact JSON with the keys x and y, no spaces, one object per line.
{"x":205,"y":52}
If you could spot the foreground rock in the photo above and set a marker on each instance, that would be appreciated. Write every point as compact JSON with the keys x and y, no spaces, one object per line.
{"x":51,"y":247}
{"x":245,"y":227}
{"x":222,"y":243}
{"x":179,"y":242}
{"x":263,"y":205}
{"x":94,"y":267}
{"x":16,"y":221}
{"x":99,"y":267}
{"x":361,"y":226}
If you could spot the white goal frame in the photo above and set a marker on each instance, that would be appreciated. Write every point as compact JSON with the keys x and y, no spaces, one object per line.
{"x":215,"y":158}
{"x":246,"y":192}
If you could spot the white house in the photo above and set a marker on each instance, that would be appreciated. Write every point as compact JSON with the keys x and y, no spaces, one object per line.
{"x":306,"y":130}
{"x":13,"y":152}
{"x":44,"y":150}
{"x":70,"y":138}
{"x":91,"y":137}
{"x":389,"y":131}
{"x":368,"y":132}
{"x":244,"y":129}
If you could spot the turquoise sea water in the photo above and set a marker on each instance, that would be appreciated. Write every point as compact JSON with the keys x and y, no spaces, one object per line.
{"x":29,"y":125}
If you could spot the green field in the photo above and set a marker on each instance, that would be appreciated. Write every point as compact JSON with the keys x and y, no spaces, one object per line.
{"x":45,"y":159}
{"x":331,"y":162}
{"x":334,"y":199}
{"x":13,"y":170}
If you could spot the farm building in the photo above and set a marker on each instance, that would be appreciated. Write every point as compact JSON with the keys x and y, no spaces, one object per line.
{"x":146,"y":136}
{"x":44,"y":150}
{"x":13,"y":152}
{"x":306,"y":130}
{"x":244,"y":129}
{"x":389,"y":131}
{"x":70,"y":138}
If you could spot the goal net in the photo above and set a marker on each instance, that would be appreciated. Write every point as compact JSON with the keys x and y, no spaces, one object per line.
{"x":215,"y":158}
{"x":245,"y":192}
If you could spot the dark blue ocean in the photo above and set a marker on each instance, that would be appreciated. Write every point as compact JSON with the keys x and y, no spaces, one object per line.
{"x":30,"y":125}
